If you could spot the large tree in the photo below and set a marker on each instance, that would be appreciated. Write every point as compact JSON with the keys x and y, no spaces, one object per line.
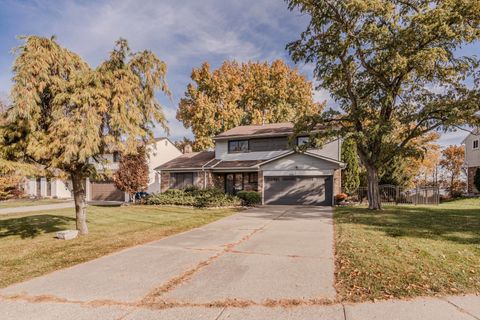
{"x":393,"y":68}
{"x":64,"y":112}
{"x":241,"y":94}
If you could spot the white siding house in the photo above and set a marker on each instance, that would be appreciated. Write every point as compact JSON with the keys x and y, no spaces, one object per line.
{"x":159,"y":152}
{"x":472,"y":159}
{"x":261,"y":158}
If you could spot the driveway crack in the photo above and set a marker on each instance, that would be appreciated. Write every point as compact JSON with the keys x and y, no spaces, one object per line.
{"x":187,"y":275}
{"x":344,"y":312}
{"x":461,"y":309}
{"x":220,"y":313}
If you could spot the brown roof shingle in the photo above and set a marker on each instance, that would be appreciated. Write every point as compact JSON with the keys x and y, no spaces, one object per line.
{"x":190,"y":160}
{"x":283,"y":128}
{"x":237,"y":164}
{"x":206,"y":160}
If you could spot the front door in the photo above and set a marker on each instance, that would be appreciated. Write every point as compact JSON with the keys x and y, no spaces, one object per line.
{"x":233,"y":183}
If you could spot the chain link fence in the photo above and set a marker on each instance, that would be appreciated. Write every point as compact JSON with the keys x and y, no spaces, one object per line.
{"x":390,"y":194}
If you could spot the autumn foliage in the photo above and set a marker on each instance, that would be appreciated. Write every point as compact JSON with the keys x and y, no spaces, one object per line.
{"x":242,"y":94}
{"x":10,"y":186}
{"x":452,"y":161}
{"x":394,"y":71}
{"x":132,"y":174}
{"x":65,"y":112}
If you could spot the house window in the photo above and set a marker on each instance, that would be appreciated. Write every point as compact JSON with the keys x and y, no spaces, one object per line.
{"x":253,"y":177}
{"x":116,"y":156}
{"x":181,"y":180}
{"x":268,"y":144}
{"x":475,"y":144}
{"x":238,"y":146}
{"x":302,"y":140}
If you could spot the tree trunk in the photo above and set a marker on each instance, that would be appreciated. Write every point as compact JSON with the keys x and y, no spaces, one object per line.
{"x":373,"y":191}
{"x":78,"y":183}
{"x":451,"y":185}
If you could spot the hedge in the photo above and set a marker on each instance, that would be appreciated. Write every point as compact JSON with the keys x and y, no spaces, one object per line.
{"x":250,"y":198}
{"x":193,"y":197}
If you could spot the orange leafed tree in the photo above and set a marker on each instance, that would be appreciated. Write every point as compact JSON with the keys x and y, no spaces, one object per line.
{"x":132,"y":174}
{"x":242,"y":94}
{"x":452,"y":161}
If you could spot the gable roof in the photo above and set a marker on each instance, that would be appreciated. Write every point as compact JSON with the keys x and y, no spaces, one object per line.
{"x":194,"y":160}
{"x":474,"y":132}
{"x":206,"y":160}
{"x":237,"y":164}
{"x":283,"y":128}
{"x":311,"y":154}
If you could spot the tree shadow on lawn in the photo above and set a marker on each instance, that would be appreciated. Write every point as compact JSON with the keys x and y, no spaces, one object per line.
{"x":32,"y":226}
{"x":456,"y":225}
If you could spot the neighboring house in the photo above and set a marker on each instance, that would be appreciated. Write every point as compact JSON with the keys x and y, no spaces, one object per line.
{"x":42,"y":187}
{"x":472,"y":159}
{"x":261,"y":158}
{"x":161,"y":151}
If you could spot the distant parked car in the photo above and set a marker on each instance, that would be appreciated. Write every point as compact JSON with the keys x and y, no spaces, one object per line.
{"x":140,"y":195}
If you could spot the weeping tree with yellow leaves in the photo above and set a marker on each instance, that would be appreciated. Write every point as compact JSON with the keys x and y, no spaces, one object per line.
{"x":64,"y":112}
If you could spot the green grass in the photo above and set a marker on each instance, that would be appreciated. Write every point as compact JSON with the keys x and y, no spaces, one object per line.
{"x":28,"y":247}
{"x":28,"y":202}
{"x":406,"y":251}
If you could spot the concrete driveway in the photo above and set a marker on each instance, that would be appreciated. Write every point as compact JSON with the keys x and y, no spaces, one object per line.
{"x":263,"y":257}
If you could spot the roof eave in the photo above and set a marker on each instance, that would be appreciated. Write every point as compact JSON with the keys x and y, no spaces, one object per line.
{"x":262,"y":135}
{"x":340,"y":163}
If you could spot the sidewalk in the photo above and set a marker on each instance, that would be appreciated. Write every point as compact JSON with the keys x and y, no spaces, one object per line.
{"x":41,"y":207}
{"x":448,"y":308}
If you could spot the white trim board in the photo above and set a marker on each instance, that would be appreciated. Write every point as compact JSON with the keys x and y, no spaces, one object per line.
{"x":273,"y":173}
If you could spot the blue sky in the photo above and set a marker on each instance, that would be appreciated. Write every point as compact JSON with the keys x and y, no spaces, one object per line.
{"x":183,"y":33}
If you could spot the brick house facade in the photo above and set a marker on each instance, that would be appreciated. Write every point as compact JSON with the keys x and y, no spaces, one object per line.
{"x":472,"y":159}
{"x":261,"y":158}
{"x":471,"y":171}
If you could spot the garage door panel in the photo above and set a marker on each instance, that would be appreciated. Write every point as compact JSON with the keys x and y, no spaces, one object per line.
{"x":106,"y":191}
{"x":300,"y":190}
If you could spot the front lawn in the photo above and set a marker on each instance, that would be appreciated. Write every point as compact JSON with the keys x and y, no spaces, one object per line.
{"x":406,"y":251}
{"x":29,"y":202}
{"x":28,"y":247}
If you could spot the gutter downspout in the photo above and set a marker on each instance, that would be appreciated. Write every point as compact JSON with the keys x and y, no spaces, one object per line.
{"x":205,"y":173}
{"x":159,"y":181}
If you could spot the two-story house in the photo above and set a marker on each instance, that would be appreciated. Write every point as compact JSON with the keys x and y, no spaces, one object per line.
{"x":261,"y":158}
{"x":159,"y":152}
{"x":472,"y":159}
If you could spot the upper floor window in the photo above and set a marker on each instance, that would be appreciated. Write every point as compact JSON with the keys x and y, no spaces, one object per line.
{"x":238,"y":146}
{"x":475,"y":144}
{"x":302,"y":140}
{"x":116,"y":156}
